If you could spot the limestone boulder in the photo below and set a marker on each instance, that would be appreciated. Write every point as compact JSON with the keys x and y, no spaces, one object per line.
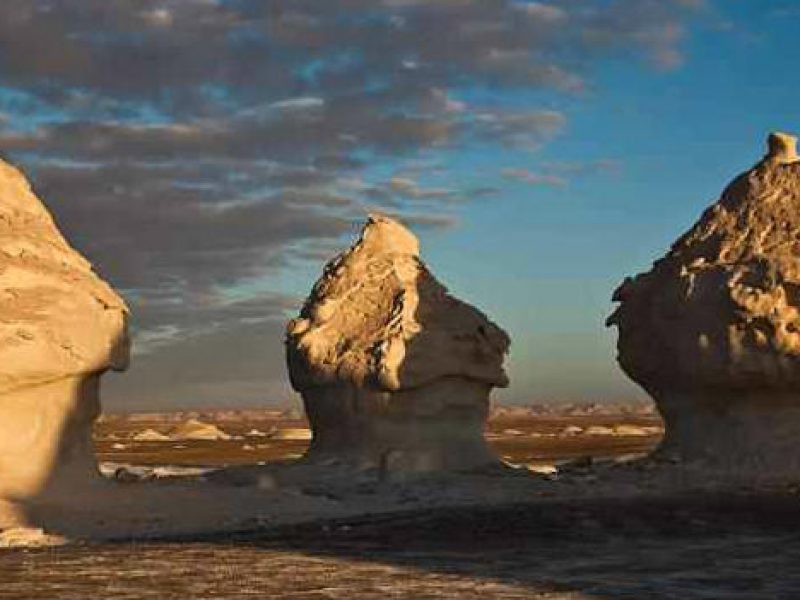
{"x":61,"y":327}
{"x":712,"y":331}
{"x":394,"y":371}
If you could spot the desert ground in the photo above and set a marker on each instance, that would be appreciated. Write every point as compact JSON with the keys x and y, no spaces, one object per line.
{"x":520,"y":436}
{"x":734,"y":543}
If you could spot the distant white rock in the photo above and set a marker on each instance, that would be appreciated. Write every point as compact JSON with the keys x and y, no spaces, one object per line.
{"x":150,"y":435}
{"x":256,"y":433}
{"x":570,"y":430}
{"x":194,"y":429}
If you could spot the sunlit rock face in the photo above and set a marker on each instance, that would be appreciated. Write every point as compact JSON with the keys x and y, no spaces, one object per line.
{"x":61,"y":327}
{"x":712,"y":331}
{"x":395,"y":373}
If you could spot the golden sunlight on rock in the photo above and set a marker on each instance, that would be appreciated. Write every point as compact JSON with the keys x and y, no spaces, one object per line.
{"x":62,"y":327}
{"x":712,"y":331}
{"x":393,"y":370}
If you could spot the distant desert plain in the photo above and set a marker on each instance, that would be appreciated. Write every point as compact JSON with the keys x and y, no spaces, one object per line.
{"x":539,"y":437}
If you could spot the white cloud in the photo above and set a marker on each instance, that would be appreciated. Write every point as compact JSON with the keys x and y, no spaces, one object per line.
{"x":546,"y":13}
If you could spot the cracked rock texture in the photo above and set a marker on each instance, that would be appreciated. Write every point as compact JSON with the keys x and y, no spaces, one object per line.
{"x":61,"y":327}
{"x":394,"y":372}
{"x":712,"y":331}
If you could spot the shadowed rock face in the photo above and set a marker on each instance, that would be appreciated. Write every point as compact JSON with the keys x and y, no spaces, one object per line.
{"x":394,"y":371}
{"x":712,"y":331}
{"x":61,"y":327}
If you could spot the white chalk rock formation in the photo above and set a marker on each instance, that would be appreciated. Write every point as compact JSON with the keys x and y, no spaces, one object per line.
{"x":394,"y":372}
{"x":61,"y":327}
{"x":712,"y":331}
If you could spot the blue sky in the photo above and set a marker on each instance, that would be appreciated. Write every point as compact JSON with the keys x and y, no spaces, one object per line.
{"x":210,"y":155}
{"x":550,"y":257}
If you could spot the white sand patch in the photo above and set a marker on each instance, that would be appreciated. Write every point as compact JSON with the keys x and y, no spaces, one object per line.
{"x":29,"y":537}
{"x":113,"y":470}
{"x":181,"y":471}
{"x":542,"y":469}
{"x":629,"y":458}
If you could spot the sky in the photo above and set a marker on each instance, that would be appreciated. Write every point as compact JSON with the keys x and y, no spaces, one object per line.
{"x":209,"y":156}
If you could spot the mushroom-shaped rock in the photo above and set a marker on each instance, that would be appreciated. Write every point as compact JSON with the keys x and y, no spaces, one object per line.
{"x":61,"y":327}
{"x":394,"y":372}
{"x":712,"y":331}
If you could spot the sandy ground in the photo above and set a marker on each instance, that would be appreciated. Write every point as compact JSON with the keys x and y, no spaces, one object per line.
{"x":611,"y":527}
{"x":164,"y":487}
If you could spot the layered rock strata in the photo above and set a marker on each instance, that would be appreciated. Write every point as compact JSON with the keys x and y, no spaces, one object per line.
{"x":394,"y":372}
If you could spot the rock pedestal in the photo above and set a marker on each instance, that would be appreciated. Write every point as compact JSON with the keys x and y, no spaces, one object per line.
{"x":61,"y":327}
{"x":712,"y":331}
{"x":394,"y":372}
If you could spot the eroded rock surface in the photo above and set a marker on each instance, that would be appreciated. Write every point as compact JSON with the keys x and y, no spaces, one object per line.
{"x":712,"y":331}
{"x":61,"y":327}
{"x":394,"y":372}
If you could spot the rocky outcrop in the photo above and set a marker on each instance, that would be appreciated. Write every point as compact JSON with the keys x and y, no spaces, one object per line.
{"x":712,"y":331}
{"x":394,"y":372}
{"x":61,"y":327}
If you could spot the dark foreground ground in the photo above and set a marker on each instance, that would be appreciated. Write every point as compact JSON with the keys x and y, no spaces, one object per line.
{"x":708,"y":547}
{"x":736,"y":545}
